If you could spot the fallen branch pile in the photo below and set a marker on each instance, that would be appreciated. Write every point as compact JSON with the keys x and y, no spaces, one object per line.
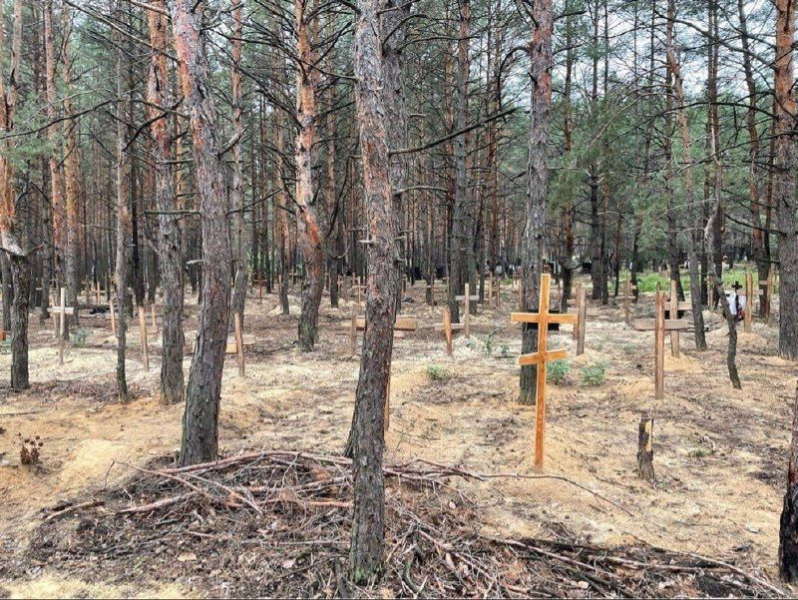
{"x":278,"y":524}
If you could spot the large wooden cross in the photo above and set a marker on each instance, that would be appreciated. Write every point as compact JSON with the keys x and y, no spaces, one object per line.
{"x":543,"y":355}
{"x":467,"y":299}
{"x":62,"y":311}
{"x":448,"y":329}
{"x":659,"y":324}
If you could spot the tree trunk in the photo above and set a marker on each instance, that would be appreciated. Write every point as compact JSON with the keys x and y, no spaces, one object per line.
{"x":784,"y":183}
{"x":689,"y":186}
{"x":368,"y":527}
{"x":788,"y":529}
{"x":169,"y":237}
{"x":237,"y":184}
{"x":536,"y":181}
{"x":123,"y":215}
{"x":310,"y":234}
{"x":200,"y":423}
{"x":461,"y":251}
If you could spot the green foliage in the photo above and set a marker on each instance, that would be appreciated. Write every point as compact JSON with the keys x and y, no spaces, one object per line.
{"x":595,"y":373}
{"x":79,"y":337}
{"x":437,"y":373}
{"x":556,"y":371}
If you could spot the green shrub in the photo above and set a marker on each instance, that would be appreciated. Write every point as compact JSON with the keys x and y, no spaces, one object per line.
{"x":79,"y":337}
{"x":557,"y":370}
{"x":594,"y":373}
{"x":437,"y":373}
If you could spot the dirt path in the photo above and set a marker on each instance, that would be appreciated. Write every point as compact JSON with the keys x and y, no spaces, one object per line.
{"x":719,"y":453}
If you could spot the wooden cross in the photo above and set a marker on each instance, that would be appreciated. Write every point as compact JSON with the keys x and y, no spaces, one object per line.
{"x":659,"y":324}
{"x":448,"y":328}
{"x":674,"y":306}
{"x":62,"y":311}
{"x":359,"y":324}
{"x":154,"y":317}
{"x":627,"y":298}
{"x":543,"y":355}
{"x":401,"y":324}
{"x":467,"y":298}
{"x":260,"y":281}
{"x":497,"y":292}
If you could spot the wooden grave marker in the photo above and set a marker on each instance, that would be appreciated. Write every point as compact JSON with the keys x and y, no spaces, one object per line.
{"x":359,"y":324}
{"x":259,"y":281}
{"x":467,"y":298}
{"x":62,"y":311}
{"x":674,"y":306}
{"x":627,"y":298}
{"x":540,"y":358}
{"x":401,"y":324}
{"x":448,"y":329}
{"x":659,"y":324}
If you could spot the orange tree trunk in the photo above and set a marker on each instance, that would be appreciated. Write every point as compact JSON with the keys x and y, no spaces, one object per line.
{"x":170,"y":260}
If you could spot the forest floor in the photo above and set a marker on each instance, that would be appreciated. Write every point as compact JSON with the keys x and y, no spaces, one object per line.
{"x":720,"y":454}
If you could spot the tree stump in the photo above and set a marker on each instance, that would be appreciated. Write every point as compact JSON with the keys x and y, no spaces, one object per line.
{"x":645,"y":448}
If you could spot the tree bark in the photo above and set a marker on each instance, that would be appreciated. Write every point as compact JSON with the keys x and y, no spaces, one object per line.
{"x":784,"y":182}
{"x":368,"y":528}
{"x":237,"y":183}
{"x":537,"y":182}
{"x":123,"y":215}
{"x":788,"y":529}
{"x":310,"y":233}
{"x":169,"y":236}
{"x":200,"y":422}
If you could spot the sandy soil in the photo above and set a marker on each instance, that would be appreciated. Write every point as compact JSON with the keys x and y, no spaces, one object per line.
{"x":720,"y":454}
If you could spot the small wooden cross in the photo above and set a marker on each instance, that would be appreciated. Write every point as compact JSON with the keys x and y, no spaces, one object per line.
{"x":467,"y":298}
{"x":543,"y":355}
{"x":766,"y":294}
{"x":62,"y":311}
{"x":627,"y":298}
{"x":359,"y":324}
{"x":259,"y":281}
{"x":401,"y":324}
{"x":659,"y":324}
{"x":448,"y":329}
{"x":674,"y":306}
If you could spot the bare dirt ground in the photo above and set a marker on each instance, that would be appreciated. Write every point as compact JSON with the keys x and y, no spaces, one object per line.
{"x":720,"y":454}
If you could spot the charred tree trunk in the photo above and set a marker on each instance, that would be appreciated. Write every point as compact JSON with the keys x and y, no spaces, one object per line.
{"x":200,"y":423}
